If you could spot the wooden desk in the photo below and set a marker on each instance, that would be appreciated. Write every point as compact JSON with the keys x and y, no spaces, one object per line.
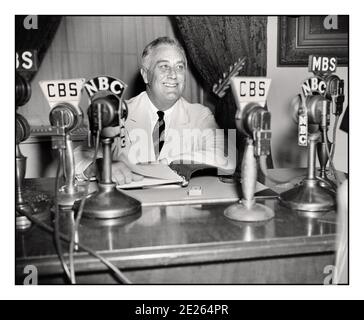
{"x":188,"y":244}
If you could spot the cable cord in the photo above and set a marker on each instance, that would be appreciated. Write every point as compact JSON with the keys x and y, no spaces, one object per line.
{"x":120,"y":276}
{"x":56,"y":220}
{"x":332,"y":151}
{"x":79,"y":215}
{"x":331,"y":163}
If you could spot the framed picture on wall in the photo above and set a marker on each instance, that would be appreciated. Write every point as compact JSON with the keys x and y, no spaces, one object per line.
{"x":300,"y":36}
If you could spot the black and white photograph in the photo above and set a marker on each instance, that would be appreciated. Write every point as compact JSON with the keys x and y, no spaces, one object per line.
{"x":181,"y":150}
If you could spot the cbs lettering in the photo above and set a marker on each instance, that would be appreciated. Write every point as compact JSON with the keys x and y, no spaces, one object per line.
{"x":60,"y":90}
{"x":24,"y":60}
{"x":252,"y":88}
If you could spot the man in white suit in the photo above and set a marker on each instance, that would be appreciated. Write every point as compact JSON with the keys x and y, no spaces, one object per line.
{"x":161,"y":124}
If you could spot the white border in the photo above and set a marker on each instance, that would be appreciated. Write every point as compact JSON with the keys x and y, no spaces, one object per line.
{"x":9,"y":291}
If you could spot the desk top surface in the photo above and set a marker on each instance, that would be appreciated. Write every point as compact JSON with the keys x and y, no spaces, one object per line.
{"x":183,"y":233}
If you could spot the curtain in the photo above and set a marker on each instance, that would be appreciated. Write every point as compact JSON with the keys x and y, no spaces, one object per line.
{"x":213,"y":43}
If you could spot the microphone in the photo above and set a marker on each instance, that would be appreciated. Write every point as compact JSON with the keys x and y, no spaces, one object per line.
{"x":315,"y":195}
{"x":107,"y":114}
{"x":23,"y":90}
{"x":22,"y":131}
{"x":335,"y":93}
{"x":65,"y":116}
{"x":253,"y":120}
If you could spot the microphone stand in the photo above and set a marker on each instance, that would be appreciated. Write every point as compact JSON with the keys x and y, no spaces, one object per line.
{"x":310,"y":196}
{"x":107,"y":202}
{"x":65,"y":118}
{"x":22,"y":207}
{"x":254,"y":122}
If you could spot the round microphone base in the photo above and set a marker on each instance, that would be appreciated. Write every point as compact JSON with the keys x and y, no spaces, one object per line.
{"x":309,"y":197}
{"x":108,"y":203}
{"x":248,"y":211}
{"x":66,"y":199}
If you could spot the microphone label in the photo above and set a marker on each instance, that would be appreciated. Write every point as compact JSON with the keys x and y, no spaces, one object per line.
{"x":313,"y":85}
{"x":302,"y":123}
{"x":26,"y":60}
{"x":105,"y":83}
{"x":250,"y":89}
{"x":322,"y":64}
{"x":56,"y":91}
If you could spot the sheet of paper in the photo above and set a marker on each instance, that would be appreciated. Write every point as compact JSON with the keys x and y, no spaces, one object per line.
{"x":213,"y":191}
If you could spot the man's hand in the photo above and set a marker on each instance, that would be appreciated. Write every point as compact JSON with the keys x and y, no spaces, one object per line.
{"x":121,"y":173}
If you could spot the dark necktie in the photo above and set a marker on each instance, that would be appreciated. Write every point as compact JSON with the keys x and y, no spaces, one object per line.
{"x":158,"y":134}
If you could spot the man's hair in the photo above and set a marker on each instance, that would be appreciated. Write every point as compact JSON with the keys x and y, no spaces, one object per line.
{"x":156,"y":43}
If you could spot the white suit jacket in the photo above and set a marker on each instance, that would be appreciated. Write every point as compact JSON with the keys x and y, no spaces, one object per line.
{"x":192,"y":135}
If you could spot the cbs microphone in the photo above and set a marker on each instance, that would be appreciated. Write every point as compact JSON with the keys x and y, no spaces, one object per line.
{"x":65,"y":116}
{"x":253,"y":120}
